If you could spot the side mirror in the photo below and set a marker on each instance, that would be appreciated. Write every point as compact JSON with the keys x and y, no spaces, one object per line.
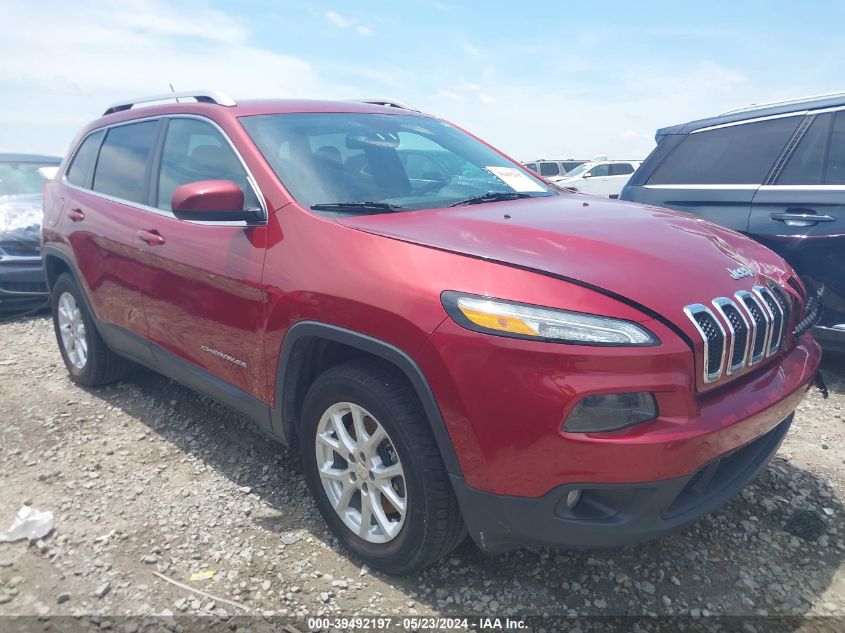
{"x":587,"y":175}
{"x":210,"y":201}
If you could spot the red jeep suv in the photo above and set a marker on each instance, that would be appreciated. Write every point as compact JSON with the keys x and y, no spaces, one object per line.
{"x":453,"y":345}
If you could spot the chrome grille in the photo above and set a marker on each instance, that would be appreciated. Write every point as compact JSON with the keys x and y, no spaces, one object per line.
{"x":760,"y":325}
{"x":740,"y":333}
{"x":741,"y":330}
{"x":713,"y":333}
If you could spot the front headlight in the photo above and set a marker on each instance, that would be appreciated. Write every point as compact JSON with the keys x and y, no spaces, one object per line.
{"x":519,"y":320}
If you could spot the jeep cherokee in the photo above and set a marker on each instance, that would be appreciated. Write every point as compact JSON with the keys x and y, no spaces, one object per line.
{"x":452,"y":344}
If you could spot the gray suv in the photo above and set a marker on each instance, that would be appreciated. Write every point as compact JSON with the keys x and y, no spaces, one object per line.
{"x":775,"y":172}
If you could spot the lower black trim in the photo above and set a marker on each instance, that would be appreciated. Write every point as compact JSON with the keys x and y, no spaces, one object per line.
{"x":612,"y":515}
{"x":282,"y":419}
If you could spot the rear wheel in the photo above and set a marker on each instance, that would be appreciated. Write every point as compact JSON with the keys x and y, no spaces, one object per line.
{"x":87,"y":357}
{"x":375,"y":470}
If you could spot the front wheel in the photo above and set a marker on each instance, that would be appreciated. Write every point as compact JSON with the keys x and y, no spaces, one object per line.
{"x":375,"y":470}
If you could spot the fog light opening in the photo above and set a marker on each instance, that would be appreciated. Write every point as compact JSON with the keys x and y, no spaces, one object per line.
{"x":572,"y":498}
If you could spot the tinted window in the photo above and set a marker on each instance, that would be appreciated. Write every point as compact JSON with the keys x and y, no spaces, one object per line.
{"x":737,"y":154}
{"x":621,"y":169}
{"x":80,"y":169}
{"x":193,"y":151}
{"x":599,"y":170}
{"x":807,"y":161}
{"x":121,"y":167}
{"x":569,"y":165}
{"x":531,"y":166}
{"x":835,"y":174}
{"x":549,"y":169}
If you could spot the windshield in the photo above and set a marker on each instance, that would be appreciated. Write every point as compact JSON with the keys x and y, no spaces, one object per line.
{"x":18,"y":178}
{"x":579,"y":170}
{"x":397,"y":161}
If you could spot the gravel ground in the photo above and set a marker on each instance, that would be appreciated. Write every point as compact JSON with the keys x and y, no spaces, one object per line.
{"x":146,"y":476}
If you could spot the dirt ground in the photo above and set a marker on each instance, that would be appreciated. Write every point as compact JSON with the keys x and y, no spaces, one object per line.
{"x":147,"y":476}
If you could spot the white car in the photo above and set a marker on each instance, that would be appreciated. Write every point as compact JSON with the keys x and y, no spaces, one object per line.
{"x":599,"y":178}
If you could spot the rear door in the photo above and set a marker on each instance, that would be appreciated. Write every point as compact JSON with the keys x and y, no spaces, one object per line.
{"x":799,"y":212}
{"x":620,"y":173}
{"x":107,"y":183}
{"x":715,"y":172}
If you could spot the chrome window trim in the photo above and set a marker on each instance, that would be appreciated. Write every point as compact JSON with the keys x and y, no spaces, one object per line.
{"x":758,"y":119}
{"x":747,"y":186}
{"x":802,"y":187}
{"x":6,"y":259}
{"x":696,"y":308}
{"x":719,"y":303}
{"x":773,"y":342}
{"x":741,"y":295}
{"x":163,"y":212}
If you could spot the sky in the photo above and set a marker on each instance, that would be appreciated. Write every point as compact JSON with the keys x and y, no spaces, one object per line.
{"x":543,"y":80}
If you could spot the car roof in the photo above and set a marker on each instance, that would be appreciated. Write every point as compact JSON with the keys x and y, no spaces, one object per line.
{"x":757,"y":112}
{"x":29,"y":158}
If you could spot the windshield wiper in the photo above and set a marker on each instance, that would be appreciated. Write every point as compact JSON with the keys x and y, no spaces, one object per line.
{"x":354,"y":207}
{"x":492,"y":196}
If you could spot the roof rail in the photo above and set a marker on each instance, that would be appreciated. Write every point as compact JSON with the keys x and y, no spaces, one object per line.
{"x":201,"y":96}
{"x":390,"y":103}
{"x":761,"y":106}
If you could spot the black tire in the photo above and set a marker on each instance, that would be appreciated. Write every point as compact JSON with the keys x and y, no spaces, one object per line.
{"x":433,"y":525}
{"x":102,"y":365}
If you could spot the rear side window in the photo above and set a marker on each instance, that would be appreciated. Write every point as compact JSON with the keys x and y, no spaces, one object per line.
{"x":621,"y":169}
{"x":80,"y":169}
{"x":806,"y":164}
{"x":549,"y":169}
{"x":122,"y":166}
{"x":193,"y":151}
{"x":737,"y":154}
{"x":835,"y":174}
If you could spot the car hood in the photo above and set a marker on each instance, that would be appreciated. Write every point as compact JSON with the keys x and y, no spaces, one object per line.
{"x":660,"y":259}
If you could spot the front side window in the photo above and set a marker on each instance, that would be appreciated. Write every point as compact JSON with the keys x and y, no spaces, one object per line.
{"x":806,"y":164}
{"x":736,"y":154}
{"x":549,"y":169}
{"x":195,"y":150}
{"x":334,"y":158}
{"x":602,"y":169}
{"x":621,"y":169}
{"x":122,"y":165}
{"x":531,"y":166}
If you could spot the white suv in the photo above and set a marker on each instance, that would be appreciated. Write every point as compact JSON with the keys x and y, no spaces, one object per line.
{"x":599,"y":178}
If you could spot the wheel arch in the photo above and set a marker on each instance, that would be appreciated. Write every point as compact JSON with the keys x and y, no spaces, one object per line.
{"x":310,"y":347}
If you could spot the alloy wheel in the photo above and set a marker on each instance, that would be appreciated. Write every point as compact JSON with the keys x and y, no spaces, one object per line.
{"x":361,"y":472}
{"x":72,"y":330}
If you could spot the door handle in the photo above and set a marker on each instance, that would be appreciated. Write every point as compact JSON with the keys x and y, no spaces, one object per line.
{"x":76,"y":215}
{"x":152,"y":238}
{"x":799,"y":218}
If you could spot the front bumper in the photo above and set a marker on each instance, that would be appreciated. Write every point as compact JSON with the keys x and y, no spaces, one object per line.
{"x":612,"y":515}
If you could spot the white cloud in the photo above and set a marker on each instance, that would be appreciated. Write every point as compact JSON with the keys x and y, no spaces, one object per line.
{"x":79,"y":59}
{"x":342,"y":22}
{"x":338,"y":20}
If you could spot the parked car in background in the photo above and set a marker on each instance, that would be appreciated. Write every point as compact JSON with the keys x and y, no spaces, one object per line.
{"x":22,"y":178}
{"x":599,"y":178}
{"x":552,"y":168}
{"x":775,"y":172}
{"x":475,"y":352}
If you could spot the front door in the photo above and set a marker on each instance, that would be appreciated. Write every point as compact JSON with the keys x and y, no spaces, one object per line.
{"x":801,"y":213}
{"x":203,"y":297}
